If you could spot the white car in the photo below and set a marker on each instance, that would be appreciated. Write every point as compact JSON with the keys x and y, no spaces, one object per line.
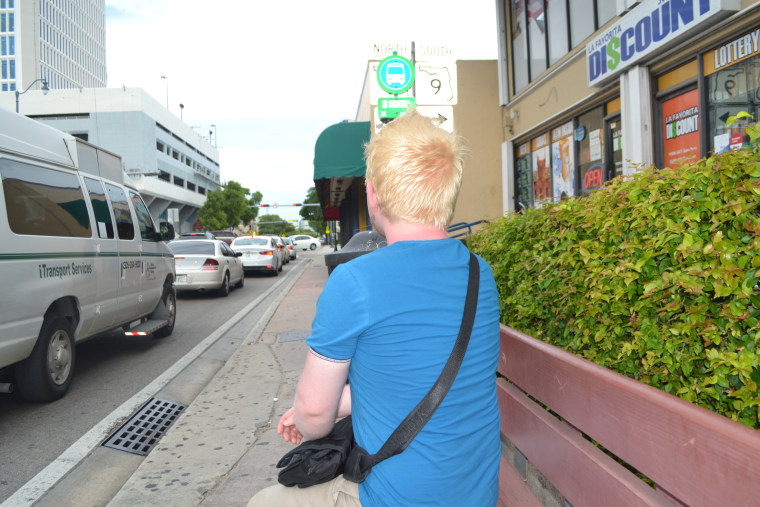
{"x":305,"y":242}
{"x":259,"y":253}
{"x":207,"y":264}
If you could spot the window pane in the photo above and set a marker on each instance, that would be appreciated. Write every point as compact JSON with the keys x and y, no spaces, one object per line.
{"x":605,"y":11}
{"x":523,"y":178}
{"x":519,"y":45}
{"x":591,"y":150}
{"x":124,"y":227}
{"x":556,"y":18}
{"x":43,"y":202}
{"x":537,"y":37}
{"x":100,"y":208}
{"x":581,"y":20}
{"x":144,"y":220}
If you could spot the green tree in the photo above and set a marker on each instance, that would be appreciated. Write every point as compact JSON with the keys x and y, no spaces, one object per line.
{"x":274,"y":224}
{"x":313,"y":213}
{"x":212,"y":213}
{"x":227,"y":206}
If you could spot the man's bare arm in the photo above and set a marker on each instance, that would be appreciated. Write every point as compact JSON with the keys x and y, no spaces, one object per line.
{"x":320,"y":396}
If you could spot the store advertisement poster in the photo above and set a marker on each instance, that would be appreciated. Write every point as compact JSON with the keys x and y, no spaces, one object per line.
{"x":562,"y":167}
{"x":680,"y":127}
{"x":542,"y":171}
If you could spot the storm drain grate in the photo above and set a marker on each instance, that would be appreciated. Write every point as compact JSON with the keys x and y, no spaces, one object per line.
{"x":142,"y":432}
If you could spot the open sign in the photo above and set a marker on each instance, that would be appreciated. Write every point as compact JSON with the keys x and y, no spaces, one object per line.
{"x":593,"y":177}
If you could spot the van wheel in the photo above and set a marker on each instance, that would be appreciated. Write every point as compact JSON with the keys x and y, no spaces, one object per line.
{"x":46,"y":374}
{"x":224,"y":290}
{"x":170,"y":302}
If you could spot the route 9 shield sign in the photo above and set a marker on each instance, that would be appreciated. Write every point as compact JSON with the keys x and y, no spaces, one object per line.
{"x":395,"y":74}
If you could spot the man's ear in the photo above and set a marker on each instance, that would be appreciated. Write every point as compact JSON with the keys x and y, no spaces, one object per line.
{"x":371,"y":196}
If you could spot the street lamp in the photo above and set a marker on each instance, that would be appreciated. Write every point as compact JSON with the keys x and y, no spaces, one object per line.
{"x":214,"y":126}
{"x":45,"y":89}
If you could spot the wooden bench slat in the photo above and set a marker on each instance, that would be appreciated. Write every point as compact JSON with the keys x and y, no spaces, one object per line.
{"x":571,"y":463}
{"x":699,"y":457}
{"x":512,"y":489}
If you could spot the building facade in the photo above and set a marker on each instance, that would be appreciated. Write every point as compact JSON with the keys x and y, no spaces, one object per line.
{"x":462,"y":95}
{"x":593,"y":89}
{"x":63,"y":43}
{"x":171,"y":164}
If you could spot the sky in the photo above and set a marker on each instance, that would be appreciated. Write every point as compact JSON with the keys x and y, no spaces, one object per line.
{"x":272,"y":75}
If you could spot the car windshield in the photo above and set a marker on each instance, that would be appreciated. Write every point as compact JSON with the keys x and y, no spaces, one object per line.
{"x":251,"y":242}
{"x":192,"y":247}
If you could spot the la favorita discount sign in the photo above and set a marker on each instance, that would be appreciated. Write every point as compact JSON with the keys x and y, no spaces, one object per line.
{"x":647,"y":28}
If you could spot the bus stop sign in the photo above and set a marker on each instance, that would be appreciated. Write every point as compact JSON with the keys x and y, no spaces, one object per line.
{"x":395,"y":74}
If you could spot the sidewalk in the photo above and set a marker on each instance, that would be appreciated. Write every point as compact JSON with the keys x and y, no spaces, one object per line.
{"x":224,"y":447}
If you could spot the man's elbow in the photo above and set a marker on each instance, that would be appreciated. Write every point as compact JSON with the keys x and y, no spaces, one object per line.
{"x":313,"y":421}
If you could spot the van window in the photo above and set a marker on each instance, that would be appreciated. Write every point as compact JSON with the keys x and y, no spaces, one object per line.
{"x":103,"y":222}
{"x":124,"y":227}
{"x":144,"y":220}
{"x":43,"y":202}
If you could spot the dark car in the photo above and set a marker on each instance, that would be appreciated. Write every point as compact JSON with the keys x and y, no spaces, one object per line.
{"x":196,"y":235}
{"x":226,"y":236}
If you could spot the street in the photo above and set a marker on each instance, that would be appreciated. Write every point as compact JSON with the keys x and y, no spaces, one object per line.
{"x":115,"y":375}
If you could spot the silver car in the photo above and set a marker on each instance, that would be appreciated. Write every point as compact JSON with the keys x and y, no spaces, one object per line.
{"x":259,"y":253}
{"x":291,"y":248}
{"x":207,"y":265}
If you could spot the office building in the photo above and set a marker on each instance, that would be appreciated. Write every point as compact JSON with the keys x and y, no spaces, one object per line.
{"x":172,"y":165}
{"x":62,"y":42}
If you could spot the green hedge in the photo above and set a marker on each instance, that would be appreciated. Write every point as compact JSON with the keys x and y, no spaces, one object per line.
{"x":654,"y":276}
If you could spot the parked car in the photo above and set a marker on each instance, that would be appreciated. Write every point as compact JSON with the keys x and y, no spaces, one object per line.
{"x":196,"y":235}
{"x":291,"y":248}
{"x":81,"y":255}
{"x":305,"y":242}
{"x":207,"y":265}
{"x":259,"y":253}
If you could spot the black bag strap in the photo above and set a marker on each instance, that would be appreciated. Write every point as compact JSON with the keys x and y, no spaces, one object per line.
{"x":417,"y":418}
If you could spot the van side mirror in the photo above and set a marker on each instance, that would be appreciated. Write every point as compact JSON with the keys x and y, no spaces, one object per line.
{"x":166,"y":231}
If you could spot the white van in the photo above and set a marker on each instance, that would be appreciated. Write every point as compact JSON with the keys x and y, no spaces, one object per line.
{"x":79,"y":255}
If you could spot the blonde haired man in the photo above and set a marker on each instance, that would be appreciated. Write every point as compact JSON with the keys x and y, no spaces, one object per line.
{"x":388,"y":321}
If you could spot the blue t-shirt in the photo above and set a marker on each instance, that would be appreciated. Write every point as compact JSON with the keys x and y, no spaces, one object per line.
{"x":395,"y":314}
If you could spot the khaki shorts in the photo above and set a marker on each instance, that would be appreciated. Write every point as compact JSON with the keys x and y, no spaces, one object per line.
{"x":338,"y":492}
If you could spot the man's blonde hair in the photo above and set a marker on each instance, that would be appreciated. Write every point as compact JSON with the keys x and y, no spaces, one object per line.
{"x":416,"y":169}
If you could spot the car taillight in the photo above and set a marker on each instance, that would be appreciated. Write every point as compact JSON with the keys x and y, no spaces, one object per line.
{"x":290,"y":247}
{"x":177,"y":257}
{"x":266,"y":252}
{"x":210,"y":265}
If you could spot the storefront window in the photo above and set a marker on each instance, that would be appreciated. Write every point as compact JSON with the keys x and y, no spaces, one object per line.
{"x":590,"y":137}
{"x":563,"y":161}
{"x":523,"y":178}
{"x":542,"y":171}
{"x":732,"y":72}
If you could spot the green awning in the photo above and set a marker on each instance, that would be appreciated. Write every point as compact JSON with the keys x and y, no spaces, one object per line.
{"x":339,"y":152}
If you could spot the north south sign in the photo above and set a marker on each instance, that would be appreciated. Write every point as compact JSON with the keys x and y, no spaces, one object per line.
{"x":648,"y":27}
